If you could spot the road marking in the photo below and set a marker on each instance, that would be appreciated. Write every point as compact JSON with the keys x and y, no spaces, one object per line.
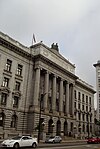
{"x":92,"y":146}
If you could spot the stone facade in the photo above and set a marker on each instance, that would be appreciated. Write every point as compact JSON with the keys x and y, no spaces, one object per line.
{"x":40,"y":91}
{"x":97,"y":66}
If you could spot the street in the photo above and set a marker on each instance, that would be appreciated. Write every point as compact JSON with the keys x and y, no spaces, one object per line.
{"x":67,"y":146}
{"x":87,"y":146}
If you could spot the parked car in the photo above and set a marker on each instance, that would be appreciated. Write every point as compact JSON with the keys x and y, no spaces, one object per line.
{"x":53,"y":139}
{"x":93,"y":140}
{"x":20,"y":141}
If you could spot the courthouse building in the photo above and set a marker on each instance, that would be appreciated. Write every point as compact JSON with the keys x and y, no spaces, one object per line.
{"x":41,"y":94}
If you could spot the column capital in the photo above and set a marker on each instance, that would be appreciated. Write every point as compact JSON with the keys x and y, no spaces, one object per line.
{"x":61,"y":79}
{"x":67,"y":82}
{"x":46,"y":71}
{"x":38,"y":67}
{"x":54,"y":75}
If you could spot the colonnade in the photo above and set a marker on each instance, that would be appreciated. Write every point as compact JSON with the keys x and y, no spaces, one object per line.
{"x":69,"y":91}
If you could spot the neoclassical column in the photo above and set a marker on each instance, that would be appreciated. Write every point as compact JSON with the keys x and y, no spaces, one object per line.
{"x":36,"y":87}
{"x":61,"y":96}
{"x":73,"y":99}
{"x":54,"y":93}
{"x":46,"y":87}
{"x":67,"y":98}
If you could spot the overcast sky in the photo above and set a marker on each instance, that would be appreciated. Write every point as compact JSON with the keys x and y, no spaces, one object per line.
{"x":73,"y":24}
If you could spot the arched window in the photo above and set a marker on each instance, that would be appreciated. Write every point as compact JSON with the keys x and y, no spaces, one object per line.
{"x":14,"y":121}
{"x":58,"y":128}
{"x":65,"y":128}
{"x":50,"y":126}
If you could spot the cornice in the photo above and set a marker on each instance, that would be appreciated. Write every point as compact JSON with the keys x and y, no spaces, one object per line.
{"x":51,"y":63}
{"x":14,"y":48}
{"x":85,"y":85}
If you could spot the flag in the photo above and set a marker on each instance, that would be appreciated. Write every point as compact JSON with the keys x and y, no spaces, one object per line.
{"x":33,"y":39}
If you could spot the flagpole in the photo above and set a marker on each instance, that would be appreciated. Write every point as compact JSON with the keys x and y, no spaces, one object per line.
{"x":33,"y":39}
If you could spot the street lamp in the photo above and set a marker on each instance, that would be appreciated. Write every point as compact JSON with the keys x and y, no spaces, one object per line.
{"x":88,"y":124}
{"x":74,"y":131}
{"x":41,"y":123}
{"x":39,"y":129}
{"x":80,"y":130}
{"x":52,"y":126}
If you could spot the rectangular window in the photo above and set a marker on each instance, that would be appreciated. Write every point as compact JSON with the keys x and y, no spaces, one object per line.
{"x":86,"y":108}
{"x":15,"y":101}
{"x":82,"y":107}
{"x":75,"y":94}
{"x":82,"y":97}
{"x":5,"y":82}
{"x":8,"y":65}
{"x":79,"y":116}
{"x":79,"y":95}
{"x":74,"y":104}
{"x":90,"y":100}
{"x":90,"y":109}
{"x":78,"y":106}
{"x":17,"y":86}
{"x":86,"y":99}
{"x":3,"y":98}
{"x":83,"y":117}
{"x":19,"y":70}
{"x":87,"y":118}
